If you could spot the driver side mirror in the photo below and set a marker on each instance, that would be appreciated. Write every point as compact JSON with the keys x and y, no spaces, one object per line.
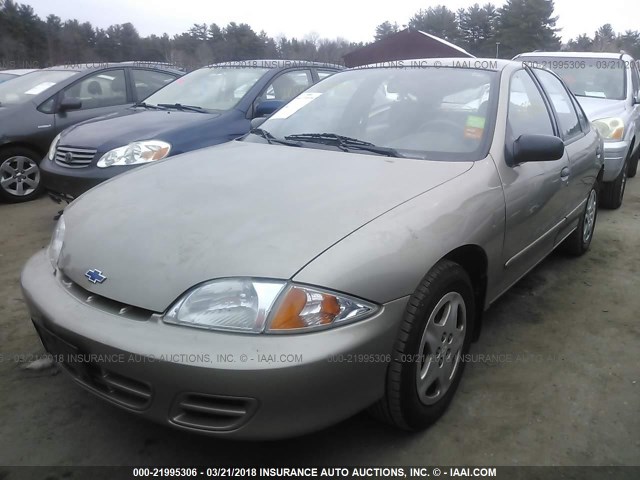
{"x":267,"y":107}
{"x":537,"y":148}
{"x":256,"y":122}
{"x":69,"y":104}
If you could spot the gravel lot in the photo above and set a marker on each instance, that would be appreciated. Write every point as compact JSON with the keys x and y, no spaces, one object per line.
{"x":566,"y":390}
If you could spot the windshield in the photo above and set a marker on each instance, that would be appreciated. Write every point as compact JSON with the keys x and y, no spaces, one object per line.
{"x":24,"y":88}
{"x":434,"y":113}
{"x":6,"y":76}
{"x":212,"y":88}
{"x":587,"y":77}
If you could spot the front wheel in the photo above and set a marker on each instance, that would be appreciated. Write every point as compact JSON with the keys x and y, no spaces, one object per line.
{"x":19,"y":175}
{"x":428,"y":357}
{"x":579,"y":241}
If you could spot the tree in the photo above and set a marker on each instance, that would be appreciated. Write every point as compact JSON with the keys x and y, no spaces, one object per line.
{"x":525,"y":25}
{"x":478,"y":29}
{"x":385,"y":29}
{"x":604,"y":39}
{"x":438,"y":21}
{"x":630,"y":43}
{"x":582,"y":43}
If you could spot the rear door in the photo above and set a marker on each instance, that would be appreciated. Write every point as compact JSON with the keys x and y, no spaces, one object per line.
{"x":534,"y":190}
{"x":101,"y":93}
{"x":581,"y":144}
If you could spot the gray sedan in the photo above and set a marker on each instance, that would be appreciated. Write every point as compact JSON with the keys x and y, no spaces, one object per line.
{"x":338,"y":257}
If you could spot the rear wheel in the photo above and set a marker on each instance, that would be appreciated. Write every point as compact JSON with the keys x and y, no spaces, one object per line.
{"x":633,"y":164}
{"x":19,"y":174}
{"x":580,"y":240}
{"x":428,"y":354}
{"x":613,"y":192}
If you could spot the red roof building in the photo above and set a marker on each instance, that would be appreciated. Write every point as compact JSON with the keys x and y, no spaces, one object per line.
{"x":404,"y":45}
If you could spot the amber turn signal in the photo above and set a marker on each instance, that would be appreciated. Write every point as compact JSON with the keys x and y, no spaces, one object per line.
{"x":305,"y":308}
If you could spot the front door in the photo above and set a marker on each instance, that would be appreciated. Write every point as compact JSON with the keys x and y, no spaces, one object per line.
{"x":533,"y":191}
{"x":101,"y":93}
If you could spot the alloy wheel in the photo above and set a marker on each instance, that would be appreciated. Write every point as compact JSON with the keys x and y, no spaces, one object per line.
{"x":19,"y":176}
{"x":589,"y":217}
{"x":441,"y":348}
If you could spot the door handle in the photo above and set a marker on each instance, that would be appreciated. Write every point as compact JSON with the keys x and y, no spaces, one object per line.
{"x":564,"y":174}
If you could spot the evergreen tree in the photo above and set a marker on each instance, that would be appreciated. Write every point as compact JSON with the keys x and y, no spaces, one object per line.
{"x":438,"y":21}
{"x":527,"y":25}
{"x":385,"y":29}
{"x":478,"y":29}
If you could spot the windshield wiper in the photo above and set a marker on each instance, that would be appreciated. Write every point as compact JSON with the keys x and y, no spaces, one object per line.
{"x":147,"y":105}
{"x":271,"y":139}
{"x":180,"y":106}
{"x":344,"y":143}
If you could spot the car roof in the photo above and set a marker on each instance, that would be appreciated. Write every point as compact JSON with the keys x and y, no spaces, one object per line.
{"x":274,"y":64}
{"x":494,"y":64}
{"x":102,"y":65}
{"x":19,"y":71}
{"x":608,"y":55}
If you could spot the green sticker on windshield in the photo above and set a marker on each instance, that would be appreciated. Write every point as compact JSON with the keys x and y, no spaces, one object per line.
{"x":475,"y":121}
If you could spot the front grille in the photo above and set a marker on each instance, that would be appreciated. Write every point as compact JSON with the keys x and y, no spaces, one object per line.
{"x":212,"y":412}
{"x":73,"y":157}
{"x":103,"y":303}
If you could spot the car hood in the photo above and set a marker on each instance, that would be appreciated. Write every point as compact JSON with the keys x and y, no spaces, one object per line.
{"x":596,"y":108}
{"x":130,"y":125}
{"x":237,"y":209}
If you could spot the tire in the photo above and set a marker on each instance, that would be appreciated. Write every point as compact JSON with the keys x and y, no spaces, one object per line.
{"x":428,"y":352}
{"x":613,"y":192}
{"x":633,"y":164}
{"x":20,"y":178}
{"x":579,"y":241}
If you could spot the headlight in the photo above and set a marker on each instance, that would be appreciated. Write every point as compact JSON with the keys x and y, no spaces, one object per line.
{"x":135,"y":153}
{"x":56,"y":242}
{"x":52,"y":149}
{"x":256,"y":306}
{"x":610,"y":128}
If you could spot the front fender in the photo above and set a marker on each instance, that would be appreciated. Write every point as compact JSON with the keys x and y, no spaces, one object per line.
{"x":388,"y":257}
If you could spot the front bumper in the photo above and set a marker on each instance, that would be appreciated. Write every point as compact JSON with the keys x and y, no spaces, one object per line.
{"x":69,"y":183}
{"x":615,"y":153}
{"x":232,"y":385}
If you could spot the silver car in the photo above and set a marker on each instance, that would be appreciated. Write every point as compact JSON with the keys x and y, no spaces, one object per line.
{"x":607,"y":85}
{"x":338,"y":257}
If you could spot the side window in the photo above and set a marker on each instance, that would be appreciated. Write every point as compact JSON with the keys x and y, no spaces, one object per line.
{"x":561,"y":101}
{"x":288,"y":85}
{"x":148,"y":81}
{"x":48,"y":105}
{"x":322,"y":74}
{"x":584,"y":121}
{"x":527,"y":111}
{"x":101,"y":89}
{"x":635,"y":78}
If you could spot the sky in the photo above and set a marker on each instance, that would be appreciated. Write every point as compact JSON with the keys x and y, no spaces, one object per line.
{"x":353,"y":21}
